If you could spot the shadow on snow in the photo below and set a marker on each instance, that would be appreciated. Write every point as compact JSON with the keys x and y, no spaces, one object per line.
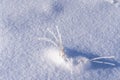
{"x":71,"y":53}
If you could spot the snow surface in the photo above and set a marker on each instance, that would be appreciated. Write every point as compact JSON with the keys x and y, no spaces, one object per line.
{"x":89,"y":28}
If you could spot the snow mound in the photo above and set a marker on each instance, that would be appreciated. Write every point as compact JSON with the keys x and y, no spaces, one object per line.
{"x":74,"y":65}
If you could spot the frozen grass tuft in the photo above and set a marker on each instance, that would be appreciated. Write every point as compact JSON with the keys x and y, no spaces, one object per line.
{"x":59,"y":58}
{"x":57,"y":42}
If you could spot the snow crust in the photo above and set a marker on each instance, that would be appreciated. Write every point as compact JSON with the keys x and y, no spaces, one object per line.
{"x":87,"y":26}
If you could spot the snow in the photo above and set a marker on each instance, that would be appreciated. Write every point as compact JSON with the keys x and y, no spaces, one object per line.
{"x":73,"y":65}
{"x":54,"y":55}
{"x":89,"y":29}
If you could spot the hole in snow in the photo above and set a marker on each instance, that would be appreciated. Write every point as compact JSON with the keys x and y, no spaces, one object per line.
{"x":57,"y":7}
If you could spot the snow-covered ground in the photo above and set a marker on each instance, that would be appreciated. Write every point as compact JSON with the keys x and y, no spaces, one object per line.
{"x":89,"y":29}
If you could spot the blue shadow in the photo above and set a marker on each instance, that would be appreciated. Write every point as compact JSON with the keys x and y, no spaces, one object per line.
{"x":71,"y":53}
{"x":57,"y":7}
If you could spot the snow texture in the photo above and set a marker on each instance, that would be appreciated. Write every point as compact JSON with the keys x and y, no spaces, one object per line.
{"x":89,"y":29}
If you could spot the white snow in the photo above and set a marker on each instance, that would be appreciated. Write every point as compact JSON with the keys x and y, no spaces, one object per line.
{"x":73,"y":65}
{"x":86,"y":26}
{"x":54,"y":55}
